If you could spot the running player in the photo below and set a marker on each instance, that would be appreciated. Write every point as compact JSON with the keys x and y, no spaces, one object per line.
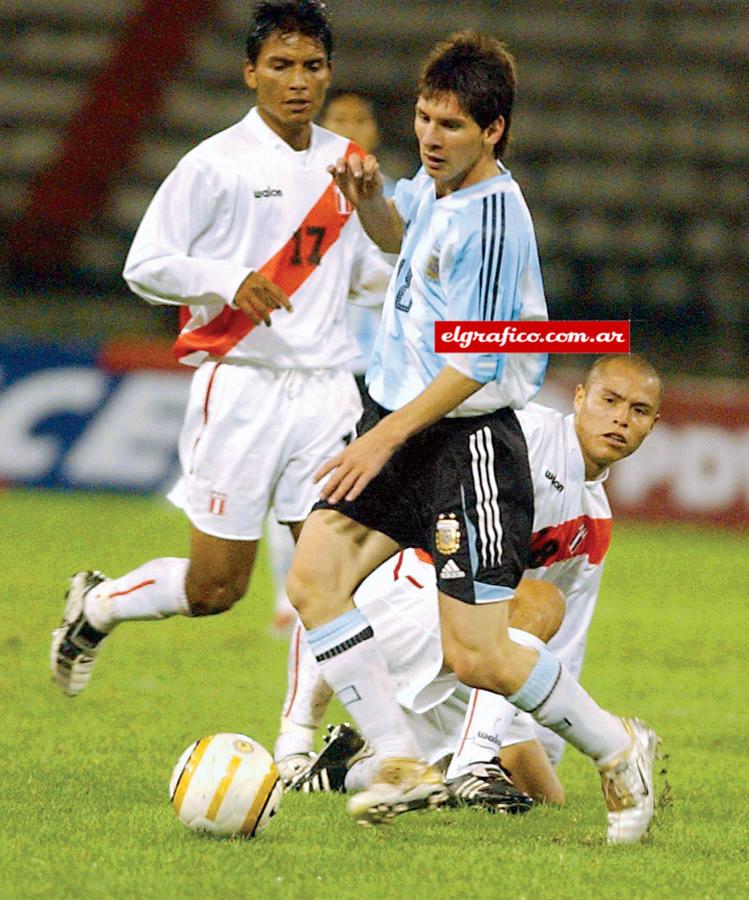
{"x":441,"y":460}
{"x":248,"y":231}
{"x":571,"y":535}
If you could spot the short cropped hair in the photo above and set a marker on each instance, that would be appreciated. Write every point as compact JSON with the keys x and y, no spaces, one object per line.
{"x":307,"y":17}
{"x":640,"y":363}
{"x":480,"y":71}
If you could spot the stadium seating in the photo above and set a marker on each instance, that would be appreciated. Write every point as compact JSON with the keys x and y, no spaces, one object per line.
{"x":630,"y":137}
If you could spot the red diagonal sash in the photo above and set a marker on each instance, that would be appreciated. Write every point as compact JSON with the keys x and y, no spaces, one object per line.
{"x":289,"y":268}
{"x":583,"y":535}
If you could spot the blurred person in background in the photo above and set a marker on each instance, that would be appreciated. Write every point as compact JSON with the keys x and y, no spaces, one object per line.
{"x":352,"y":116}
{"x":248,"y":223}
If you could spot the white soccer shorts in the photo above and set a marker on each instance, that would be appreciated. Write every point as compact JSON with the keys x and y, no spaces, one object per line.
{"x":253,"y":438}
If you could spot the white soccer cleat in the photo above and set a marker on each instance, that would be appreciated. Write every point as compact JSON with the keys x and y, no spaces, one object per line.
{"x":76,"y":642}
{"x":294,"y":766}
{"x":400,"y":786}
{"x":627,"y":785}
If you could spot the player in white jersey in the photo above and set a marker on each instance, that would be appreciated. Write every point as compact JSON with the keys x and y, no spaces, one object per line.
{"x":249,"y":231}
{"x":571,"y":535}
{"x":352,"y":116}
{"x":441,"y":461}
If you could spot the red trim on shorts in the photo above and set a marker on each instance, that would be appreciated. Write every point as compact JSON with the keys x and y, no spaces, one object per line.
{"x":135,"y":588}
{"x":423,"y":556}
{"x":398,"y":564}
{"x":474,"y":698}
{"x":287,"y":269}
{"x":208,"y":393}
{"x":296,"y":637}
{"x":414,"y":581}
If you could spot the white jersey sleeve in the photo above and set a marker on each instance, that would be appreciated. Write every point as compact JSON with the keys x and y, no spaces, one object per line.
{"x":241,"y":201}
{"x":165,"y":263}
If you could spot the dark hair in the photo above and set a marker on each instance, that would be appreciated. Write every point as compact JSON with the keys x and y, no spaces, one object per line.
{"x":480,"y":71}
{"x":308,"y":17}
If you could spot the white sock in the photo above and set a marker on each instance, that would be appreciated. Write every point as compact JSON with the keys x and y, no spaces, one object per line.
{"x":155,"y":590}
{"x":572,"y":713}
{"x":487,"y":721}
{"x":280,"y":554}
{"x":307,"y":693}
{"x":353,"y":665}
{"x":292,"y":739}
{"x":554,"y":699}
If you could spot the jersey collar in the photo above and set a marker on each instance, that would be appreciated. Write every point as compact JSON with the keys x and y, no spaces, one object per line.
{"x":262,"y":132}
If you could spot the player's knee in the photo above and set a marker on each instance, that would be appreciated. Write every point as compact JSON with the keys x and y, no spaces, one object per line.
{"x":215,"y":596}
{"x":467,"y":664}
{"x":538,"y":607}
{"x":306,"y":592}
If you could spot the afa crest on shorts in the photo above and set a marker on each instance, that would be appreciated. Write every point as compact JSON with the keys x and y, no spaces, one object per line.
{"x":447,"y":534}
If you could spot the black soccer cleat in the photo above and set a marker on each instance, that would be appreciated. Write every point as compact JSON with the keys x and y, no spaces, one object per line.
{"x":488,"y":786}
{"x":343,"y":747}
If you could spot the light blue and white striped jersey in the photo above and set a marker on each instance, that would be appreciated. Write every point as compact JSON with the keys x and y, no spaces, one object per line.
{"x":469,"y":256}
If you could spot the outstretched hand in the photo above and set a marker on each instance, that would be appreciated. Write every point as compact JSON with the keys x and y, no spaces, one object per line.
{"x":257,"y":296}
{"x":358,"y":179}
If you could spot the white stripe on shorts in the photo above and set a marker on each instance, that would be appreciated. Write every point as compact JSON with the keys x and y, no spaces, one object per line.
{"x":487,"y":507}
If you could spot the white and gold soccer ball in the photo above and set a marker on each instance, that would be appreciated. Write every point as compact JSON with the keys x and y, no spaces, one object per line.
{"x":227,"y":784}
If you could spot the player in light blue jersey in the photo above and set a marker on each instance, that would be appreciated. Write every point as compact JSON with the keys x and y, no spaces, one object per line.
{"x":468,"y":255}
{"x":440,"y":461}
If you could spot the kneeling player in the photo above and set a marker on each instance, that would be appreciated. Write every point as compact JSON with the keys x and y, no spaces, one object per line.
{"x":569,"y":458}
{"x":400,"y":601}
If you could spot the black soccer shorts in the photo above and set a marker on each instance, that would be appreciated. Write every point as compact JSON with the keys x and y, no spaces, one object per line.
{"x":461,"y":489}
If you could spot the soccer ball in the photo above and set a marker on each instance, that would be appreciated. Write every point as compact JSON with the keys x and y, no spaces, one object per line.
{"x":227,"y":784}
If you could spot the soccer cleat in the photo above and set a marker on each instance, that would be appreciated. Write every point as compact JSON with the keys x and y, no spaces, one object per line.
{"x":344,"y":746}
{"x":627,"y":784}
{"x":400,"y":786}
{"x":293,"y":766}
{"x":488,"y":786}
{"x":76,"y":642}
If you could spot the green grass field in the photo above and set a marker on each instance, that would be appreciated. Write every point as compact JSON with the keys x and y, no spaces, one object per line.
{"x":83,"y":791}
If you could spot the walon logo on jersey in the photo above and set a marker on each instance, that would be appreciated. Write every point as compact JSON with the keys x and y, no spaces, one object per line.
{"x":269,"y":192}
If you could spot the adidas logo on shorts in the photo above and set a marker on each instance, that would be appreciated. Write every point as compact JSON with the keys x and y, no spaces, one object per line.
{"x":451,"y":570}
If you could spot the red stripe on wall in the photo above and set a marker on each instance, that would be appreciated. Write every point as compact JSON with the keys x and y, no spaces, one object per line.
{"x":103,"y":136}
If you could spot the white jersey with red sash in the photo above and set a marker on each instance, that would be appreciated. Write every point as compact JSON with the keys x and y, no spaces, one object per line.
{"x":241,"y":201}
{"x":571,"y":525}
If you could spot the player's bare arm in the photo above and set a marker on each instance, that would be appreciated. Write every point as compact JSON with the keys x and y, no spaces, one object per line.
{"x":361,"y":182}
{"x":363,"y":459}
{"x":257,"y":297}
